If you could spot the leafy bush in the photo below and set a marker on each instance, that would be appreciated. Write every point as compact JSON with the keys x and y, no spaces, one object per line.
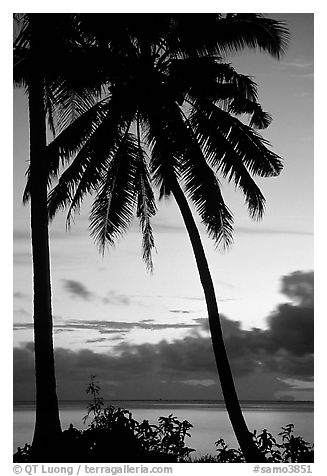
{"x":114,"y":436}
{"x":292,"y":449}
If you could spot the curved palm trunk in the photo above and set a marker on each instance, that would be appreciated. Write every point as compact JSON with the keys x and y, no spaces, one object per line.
{"x":244,"y":437}
{"x":47,"y":424}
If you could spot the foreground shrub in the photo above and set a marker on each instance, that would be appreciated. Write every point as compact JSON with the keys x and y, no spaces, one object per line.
{"x":291,"y":449}
{"x":114,"y":436}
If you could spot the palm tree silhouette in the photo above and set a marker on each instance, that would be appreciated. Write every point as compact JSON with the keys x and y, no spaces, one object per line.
{"x":169,"y":110}
{"x":46,"y":63}
{"x":184,"y":102}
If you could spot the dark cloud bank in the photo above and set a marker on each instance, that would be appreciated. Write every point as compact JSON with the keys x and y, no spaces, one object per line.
{"x":112,"y":327}
{"x":79,"y":290}
{"x":263,"y":361}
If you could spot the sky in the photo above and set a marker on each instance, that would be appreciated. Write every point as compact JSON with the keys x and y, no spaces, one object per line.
{"x":145,"y":335}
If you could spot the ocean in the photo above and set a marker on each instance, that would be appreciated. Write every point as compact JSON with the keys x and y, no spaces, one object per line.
{"x":209,"y":419}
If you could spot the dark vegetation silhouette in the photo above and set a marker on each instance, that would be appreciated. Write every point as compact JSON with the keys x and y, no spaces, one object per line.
{"x":113,"y":435}
{"x":47,"y":63}
{"x":133,"y":101}
{"x":47,"y":426}
{"x":169,"y":112}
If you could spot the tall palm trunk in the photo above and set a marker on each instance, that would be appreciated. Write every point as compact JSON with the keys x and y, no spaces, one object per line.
{"x":47,"y":425}
{"x":250,"y":451}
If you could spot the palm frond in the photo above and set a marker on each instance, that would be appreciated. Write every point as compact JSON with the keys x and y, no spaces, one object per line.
{"x":27,"y":189}
{"x":21,"y":30}
{"x":151,"y":69}
{"x":83,"y":175}
{"x":146,"y":207}
{"x":194,"y":78}
{"x":76,"y":135}
{"x":247,"y":144}
{"x":165,"y":147}
{"x":100,"y":156}
{"x":84,"y":81}
{"x":183,"y":42}
{"x":225,"y":159}
{"x":50,"y":113}
{"x":259,"y":118}
{"x":208,"y":77}
{"x":113,"y":208}
{"x":67,"y":145}
{"x":21,"y":65}
{"x":251,"y":30}
{"x":223,"y":34}
{"x":86,"y":170}
{"x":203,"y":188}
{"x":70,"y":104}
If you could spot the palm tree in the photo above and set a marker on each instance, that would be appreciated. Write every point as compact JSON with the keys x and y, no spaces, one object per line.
{"x":170,"y":110}
{"x":46,"y":59}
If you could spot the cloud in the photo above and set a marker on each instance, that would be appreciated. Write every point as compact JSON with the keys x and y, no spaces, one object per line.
{"x":298,"y":64}
{"x":286,"y":346}
{"x":19,"y":326}
{"x":99,"y":339}
{"x":299,"y":68}
{"x":59,"y":331}
{"x":298,"y":384}
{"x":143,"y":371}
{"x":266,"y":364}
{"x":19,"y":295}
{"x":112,"y":327}
{"x":75,"y":288}
{"x":174,"y":370}
{"x":284,"y":363}
{"x":165,"y":296}
{"x":114,"y":298}
{"x":203,"y":382}
{"x":203,"y":322}
{"x":291,"y":328}
{"x":179,"y":311}
{"x":78,"y":289}
{"x":299,"y":286}
{"x":148,"y":324}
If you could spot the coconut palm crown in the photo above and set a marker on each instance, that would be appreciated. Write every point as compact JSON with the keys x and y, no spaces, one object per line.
{"x":171,"y":113}
{"x":169,"y":97}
